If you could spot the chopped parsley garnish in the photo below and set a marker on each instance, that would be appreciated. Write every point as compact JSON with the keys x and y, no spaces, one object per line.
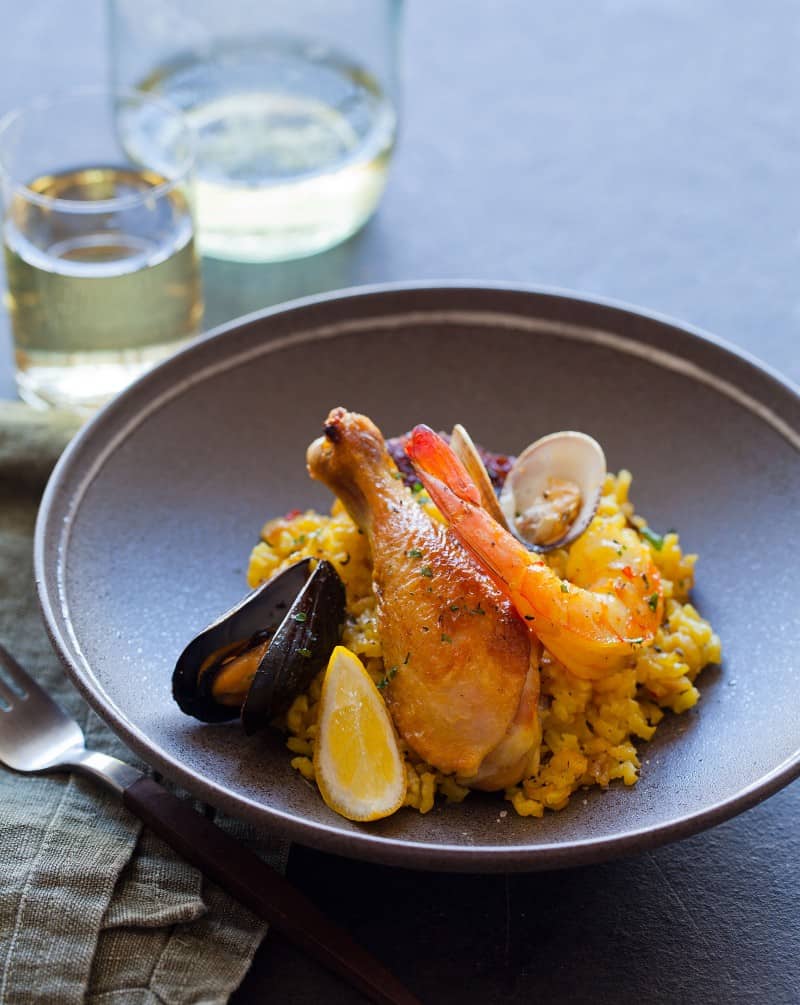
{"x":390,"y":674}
{"x":426,"y":571}
{"x":454,"y":608}
{"x":446,"y":638}
{"x":301,"y":617}
{"x":657,"y":540}
{"x":414,"y":553}
{"x":564,"y":588}
{"x":652,"y":601}
{"x":417,"y":487}
{"x":304,"y":652}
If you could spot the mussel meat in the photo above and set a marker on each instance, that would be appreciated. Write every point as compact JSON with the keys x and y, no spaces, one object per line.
{"x":255,"y":658}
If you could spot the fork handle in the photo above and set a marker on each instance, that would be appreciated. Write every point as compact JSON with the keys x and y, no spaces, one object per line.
{"x":262,"y":889}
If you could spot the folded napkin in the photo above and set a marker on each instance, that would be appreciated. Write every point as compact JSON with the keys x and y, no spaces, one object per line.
{"x":93,"y":908}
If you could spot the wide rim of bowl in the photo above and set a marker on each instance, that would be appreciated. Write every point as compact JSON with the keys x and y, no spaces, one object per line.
{"x":365,"y":845}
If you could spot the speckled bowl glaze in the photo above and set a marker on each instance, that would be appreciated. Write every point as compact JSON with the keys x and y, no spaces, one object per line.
{"x":147,"y":523}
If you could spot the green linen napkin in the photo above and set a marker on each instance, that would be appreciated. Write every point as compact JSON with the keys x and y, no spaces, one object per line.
{"x":93,"y":909}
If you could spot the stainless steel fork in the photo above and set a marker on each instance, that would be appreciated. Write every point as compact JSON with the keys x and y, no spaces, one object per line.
{"x":36,"y":735}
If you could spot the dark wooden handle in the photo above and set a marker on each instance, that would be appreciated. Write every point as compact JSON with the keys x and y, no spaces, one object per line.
{"x":263,"y":890}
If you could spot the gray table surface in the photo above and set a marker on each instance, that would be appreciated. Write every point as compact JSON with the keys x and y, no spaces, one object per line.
{"x":645,"y":150}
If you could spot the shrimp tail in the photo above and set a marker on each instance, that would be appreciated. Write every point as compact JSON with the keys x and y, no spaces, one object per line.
{"x":458,"y":499}
{"x":444,"y":476}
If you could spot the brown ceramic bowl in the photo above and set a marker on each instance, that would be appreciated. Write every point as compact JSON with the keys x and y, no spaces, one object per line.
{"x":147,"y":523}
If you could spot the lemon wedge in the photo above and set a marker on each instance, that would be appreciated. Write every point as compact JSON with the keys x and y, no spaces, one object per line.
{"x":358,"y":765}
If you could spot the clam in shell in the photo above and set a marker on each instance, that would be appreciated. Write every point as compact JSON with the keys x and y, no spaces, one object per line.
{"x":553,"y":489}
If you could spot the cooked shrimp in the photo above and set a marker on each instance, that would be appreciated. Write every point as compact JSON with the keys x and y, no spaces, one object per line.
{"x":593,"y":626}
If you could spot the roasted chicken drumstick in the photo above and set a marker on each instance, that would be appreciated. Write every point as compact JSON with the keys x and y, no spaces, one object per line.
{"x":462,"y":667}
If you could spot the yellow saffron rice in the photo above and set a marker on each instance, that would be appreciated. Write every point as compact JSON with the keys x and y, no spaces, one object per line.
{"x":589,"y":728}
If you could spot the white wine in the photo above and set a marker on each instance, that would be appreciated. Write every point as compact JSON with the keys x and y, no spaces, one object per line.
{"x":293,"y":146}
{"x":96,"y":299}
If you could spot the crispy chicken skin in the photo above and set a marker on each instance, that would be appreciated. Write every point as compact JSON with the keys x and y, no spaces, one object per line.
{"x":463,"y":688}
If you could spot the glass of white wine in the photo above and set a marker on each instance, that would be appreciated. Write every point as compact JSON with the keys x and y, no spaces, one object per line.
{"x":294,"y":105}
{"x":101,"y":270}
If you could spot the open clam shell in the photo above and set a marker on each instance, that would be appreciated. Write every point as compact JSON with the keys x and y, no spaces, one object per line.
{"x":464,"y":448}
{"x":279,"y":636}
{"x":553,"y":489}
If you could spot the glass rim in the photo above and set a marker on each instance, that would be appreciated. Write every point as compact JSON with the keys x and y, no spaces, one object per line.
{"x":42,"y":102}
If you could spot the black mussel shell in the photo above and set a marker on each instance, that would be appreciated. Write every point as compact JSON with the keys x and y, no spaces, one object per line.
{"x":300,"y":648}
{"x":262,"y":610}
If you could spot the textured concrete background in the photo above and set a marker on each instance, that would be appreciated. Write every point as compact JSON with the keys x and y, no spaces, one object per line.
{"x":646,"y":150}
